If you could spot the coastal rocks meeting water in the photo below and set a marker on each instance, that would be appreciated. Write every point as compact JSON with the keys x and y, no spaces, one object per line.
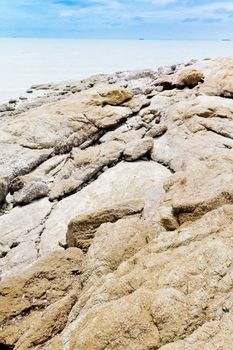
{"x":116,"y":212}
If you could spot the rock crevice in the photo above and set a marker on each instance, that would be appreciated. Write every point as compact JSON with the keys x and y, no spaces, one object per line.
{"x":117,"y":212}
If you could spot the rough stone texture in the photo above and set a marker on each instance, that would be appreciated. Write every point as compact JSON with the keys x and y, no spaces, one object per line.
{"x":44,"y":295}
{"x":3,"y":189}
{"x":81,"y":229}
{"x":186,"y":191}
{"x":156,"y":131}
{"x":124,"y":182}
{"x":31,"y":191}
{"x":137,"y":149}
{"x":64,"y":123}
{"x":219,"y":80}
{"x":137,"y":170}
{"x":116,"y":242}
{"x":185,"y":277}
{"x":19,"y":233}
{"x":115,"y":97}
{"x":190,"y":78}
{"x":84,"y":165}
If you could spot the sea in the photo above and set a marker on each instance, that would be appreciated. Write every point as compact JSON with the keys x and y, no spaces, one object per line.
{"x":24,"y":62}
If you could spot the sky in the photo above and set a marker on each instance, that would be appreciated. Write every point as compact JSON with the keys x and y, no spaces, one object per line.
{"x":118,"y":19}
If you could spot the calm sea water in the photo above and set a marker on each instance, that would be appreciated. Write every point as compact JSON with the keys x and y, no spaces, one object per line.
{"x":24,"y":62}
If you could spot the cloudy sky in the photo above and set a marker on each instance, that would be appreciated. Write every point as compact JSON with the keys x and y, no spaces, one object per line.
{"x":123,"y":19}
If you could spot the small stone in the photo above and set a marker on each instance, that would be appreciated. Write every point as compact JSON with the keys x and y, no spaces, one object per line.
{"x":156,"y":131}
{"x":12,"y":101}
{"x":136,"y":149}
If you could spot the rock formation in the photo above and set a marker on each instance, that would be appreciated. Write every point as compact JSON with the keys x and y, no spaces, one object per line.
{"x":116,"y":214}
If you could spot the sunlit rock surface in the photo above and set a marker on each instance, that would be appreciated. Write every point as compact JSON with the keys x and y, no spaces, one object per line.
{"x":116,"y":217}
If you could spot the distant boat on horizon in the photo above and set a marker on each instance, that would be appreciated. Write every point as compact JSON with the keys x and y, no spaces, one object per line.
{"x":226,"y":39}
{"x":141,"y":39}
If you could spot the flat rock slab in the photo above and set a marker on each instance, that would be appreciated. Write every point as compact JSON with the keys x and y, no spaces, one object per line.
{"x":124,"y":182}
{"x":17,"y":228}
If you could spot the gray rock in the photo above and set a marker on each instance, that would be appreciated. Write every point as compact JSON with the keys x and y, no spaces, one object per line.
{"x":30,"y":192}
{"x":12,"y":101}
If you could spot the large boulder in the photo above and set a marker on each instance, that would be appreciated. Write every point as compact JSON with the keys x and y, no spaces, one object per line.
{"x":219,"y":81}
{"x":125,"y":182}
{"x":197,"y":255}
{"x":81,"y":229}
{"x":192,"y":194}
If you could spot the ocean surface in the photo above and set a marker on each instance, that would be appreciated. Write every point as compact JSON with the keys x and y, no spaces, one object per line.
{"x":24,"y":62}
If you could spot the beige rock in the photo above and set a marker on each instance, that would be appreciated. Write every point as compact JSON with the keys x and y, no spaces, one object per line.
{"x":212,"y":335}
{"x":84,"y":165}
{"x":156,"y":131}
{"x":192,"y":194}
{"x":199,"y":127}
{"x":124,"y":324}
{"x":124,"y":182}
{"x":81,"y":229}
{"x":115,"y":97}
{"x":48,"y":323}
{"x":108,"y":116}
{"x":219,"y":126}
{"x":16,"y":160}
{"x":137,"y":149}
{"x":125,"y":135}
{"x":137,"y":103}
{"x":190,"y":78}
{"x":65,"y":123}
{"x":158,"y":266}
{"x":35,"y":296}
{"x":202,"y":106}
{"x":219,"y":82}
{"x":185,"y":277}
{"x":116,"y":242}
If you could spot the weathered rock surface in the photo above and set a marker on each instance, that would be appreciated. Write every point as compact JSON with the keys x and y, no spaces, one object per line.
{"x":136,"y":149}
{"x":44,"y":295}
{"x":125,"y":182}
{"x":84,"y":165}
{"x":81,"y":230}
{"x":3,"y":189}
{"x":190,"y":78}
{"x":20,"y":232}
{"x":136,"y":169}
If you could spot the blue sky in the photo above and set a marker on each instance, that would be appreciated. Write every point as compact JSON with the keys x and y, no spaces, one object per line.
{"x":118,"y":19}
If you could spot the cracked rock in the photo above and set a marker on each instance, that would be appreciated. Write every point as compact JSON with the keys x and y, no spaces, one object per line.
{"x":137,"y":168}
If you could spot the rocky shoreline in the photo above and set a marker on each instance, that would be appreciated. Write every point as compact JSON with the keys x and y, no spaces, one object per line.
{"x":116,"y":212}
